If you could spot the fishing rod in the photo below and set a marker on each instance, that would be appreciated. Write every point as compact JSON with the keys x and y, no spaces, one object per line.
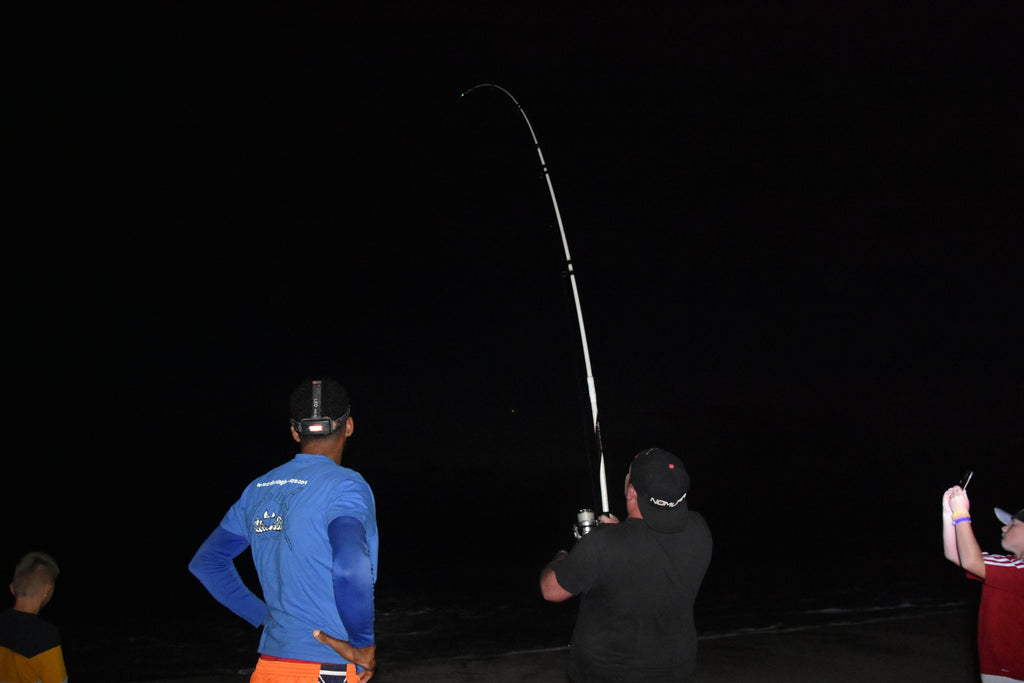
{"x":591,"y":387}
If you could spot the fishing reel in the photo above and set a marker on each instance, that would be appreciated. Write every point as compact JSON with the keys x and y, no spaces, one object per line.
{"x":586,"y":521}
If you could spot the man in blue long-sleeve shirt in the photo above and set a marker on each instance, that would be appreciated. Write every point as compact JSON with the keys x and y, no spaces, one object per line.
{"x":312,"y":527}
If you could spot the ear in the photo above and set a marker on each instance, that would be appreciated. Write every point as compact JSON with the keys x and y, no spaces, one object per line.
{"x":630,"y":492}
{"x":295,"y":435}
{"x":350,"y":427}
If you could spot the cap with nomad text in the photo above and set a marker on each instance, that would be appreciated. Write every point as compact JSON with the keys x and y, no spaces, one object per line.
{"x":661,"y":484}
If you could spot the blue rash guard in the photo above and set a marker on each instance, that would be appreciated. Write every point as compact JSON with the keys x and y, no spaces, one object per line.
{"x":313,"y":532}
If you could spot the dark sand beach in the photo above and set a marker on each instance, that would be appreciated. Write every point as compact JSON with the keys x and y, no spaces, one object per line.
{"x":923,"y":648}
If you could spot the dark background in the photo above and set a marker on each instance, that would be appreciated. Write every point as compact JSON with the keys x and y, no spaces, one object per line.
{"x":796,"y":234}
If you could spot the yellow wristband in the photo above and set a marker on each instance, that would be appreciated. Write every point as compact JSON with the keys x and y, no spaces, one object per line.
{"x":959,"y":513}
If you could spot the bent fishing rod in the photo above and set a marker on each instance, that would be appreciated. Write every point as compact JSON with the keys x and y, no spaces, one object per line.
{"x":591,"y":387}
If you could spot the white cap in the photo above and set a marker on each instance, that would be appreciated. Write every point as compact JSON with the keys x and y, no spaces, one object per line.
{"x":1006,"y":518}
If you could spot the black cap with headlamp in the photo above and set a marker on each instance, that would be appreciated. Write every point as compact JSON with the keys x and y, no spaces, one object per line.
{"x":314,"y":405}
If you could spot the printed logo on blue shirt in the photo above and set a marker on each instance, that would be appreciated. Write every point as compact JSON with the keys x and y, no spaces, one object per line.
{"x":260,"y":526}
{"x":276,"y":508}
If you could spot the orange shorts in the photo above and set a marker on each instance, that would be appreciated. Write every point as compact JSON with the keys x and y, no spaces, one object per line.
{"x":274,"y":670}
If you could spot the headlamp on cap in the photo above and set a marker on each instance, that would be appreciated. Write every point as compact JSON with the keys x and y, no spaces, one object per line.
{"x":317,"y":424}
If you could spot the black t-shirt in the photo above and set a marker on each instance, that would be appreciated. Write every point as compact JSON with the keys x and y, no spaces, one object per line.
{"x":637,"y":590}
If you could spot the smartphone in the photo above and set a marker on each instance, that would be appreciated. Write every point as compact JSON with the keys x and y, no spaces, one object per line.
{"x":966,"y":479}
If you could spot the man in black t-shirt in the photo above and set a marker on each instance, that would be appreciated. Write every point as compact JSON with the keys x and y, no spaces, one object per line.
{"x":637,"y":580}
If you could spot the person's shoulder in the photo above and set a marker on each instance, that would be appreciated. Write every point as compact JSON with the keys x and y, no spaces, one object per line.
{"x":34,"y":633}
{"x":48,"y":629}
{"x":342,"y":477}
{"x":12,"y":614}
{"x":1007,"y":561}
{"x":630,"y":527}
{"x":699,"y":520}
{"x":605,"y":532}
{"x":697,"y":529}
{"x":273,"y":474}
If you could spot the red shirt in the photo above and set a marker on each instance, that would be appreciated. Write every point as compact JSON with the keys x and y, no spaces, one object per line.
{"x":1001,"y":617}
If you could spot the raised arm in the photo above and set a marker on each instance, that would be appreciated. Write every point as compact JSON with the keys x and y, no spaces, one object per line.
{"x":948,"y":530}
{"x":959,"y":543}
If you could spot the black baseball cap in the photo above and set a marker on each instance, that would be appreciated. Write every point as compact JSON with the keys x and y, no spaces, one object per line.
{"x":322,"y":402}
{"x":661,"y":482}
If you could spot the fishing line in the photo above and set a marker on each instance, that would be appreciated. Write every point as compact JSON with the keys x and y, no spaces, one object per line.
{"x":591,"y":387}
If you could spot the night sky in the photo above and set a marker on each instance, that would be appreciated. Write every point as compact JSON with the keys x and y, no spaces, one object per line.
{"x":796,"y":234}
